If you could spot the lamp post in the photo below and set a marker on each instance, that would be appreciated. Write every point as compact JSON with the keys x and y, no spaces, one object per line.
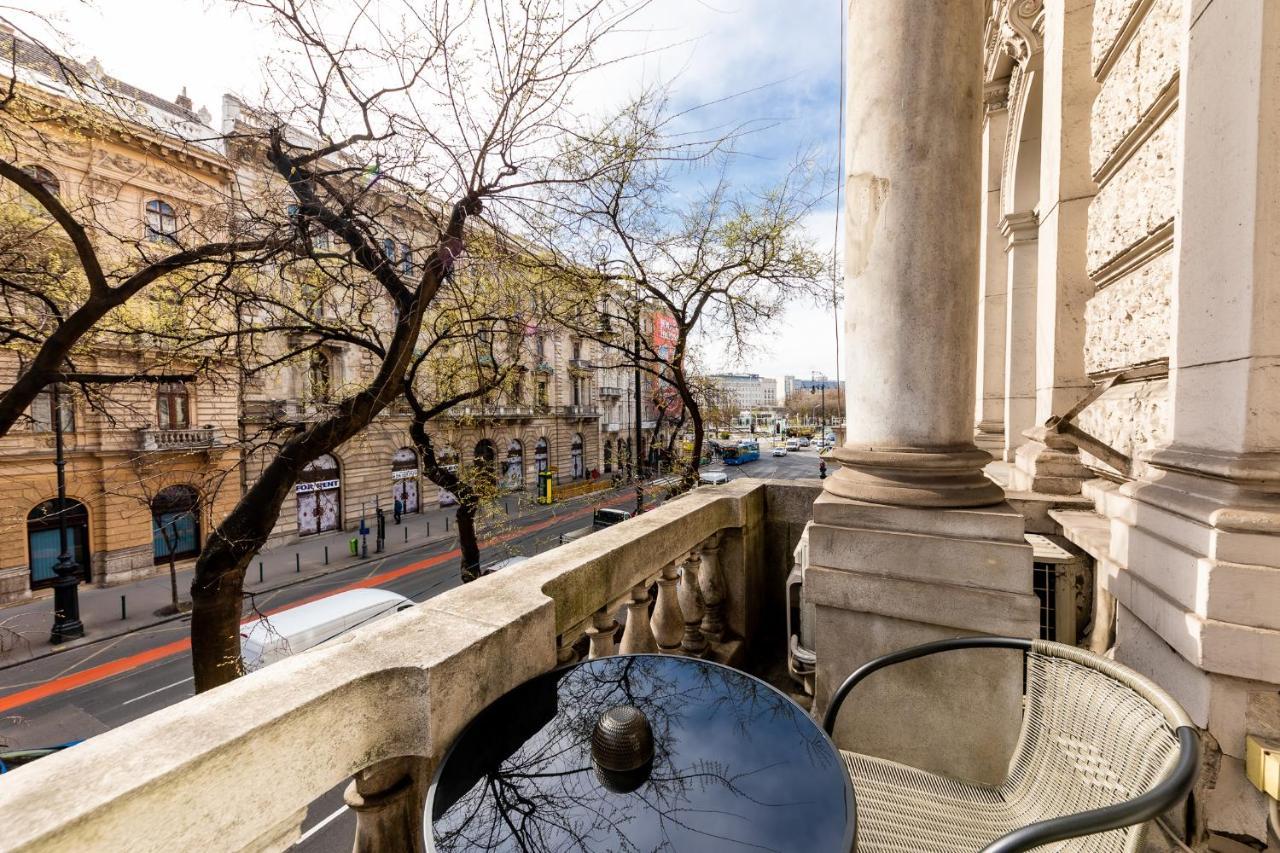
{"x":66,"y":586}
{"x":813,"y":376}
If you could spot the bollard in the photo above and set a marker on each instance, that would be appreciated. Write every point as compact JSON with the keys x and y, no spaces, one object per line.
{"x":326,"y":555}
{"x":297,"y":562}
{"x":123,"y":613}
{"x":259,"y":571}
{"x":406,"y":534}
{"x":446,"y":524}
{"x":428,"y":529}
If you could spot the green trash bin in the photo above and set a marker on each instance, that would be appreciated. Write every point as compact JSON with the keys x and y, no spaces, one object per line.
{"x":353,"y":545}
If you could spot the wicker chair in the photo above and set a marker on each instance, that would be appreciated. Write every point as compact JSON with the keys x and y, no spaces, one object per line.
{"x":1102,"y":751}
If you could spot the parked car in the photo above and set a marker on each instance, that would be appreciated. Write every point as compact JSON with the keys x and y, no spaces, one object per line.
{"x":600,"y":519}
{"x":499,"y":565}
{"x":712,"y":478}
{"x":780,"y":451}
{"x":804,"y":442}
{"x":272,"y":638}
{"x":11,"y":759}
{"x":793,"y":444}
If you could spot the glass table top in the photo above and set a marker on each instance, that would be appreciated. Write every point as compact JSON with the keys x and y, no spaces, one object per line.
{"x":731,"y":764}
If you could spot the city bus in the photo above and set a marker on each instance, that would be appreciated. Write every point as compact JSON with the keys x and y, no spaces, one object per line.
{"x":745,"y":451}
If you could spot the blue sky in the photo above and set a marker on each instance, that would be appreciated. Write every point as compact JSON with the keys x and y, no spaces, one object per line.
{"x":773,"y":62}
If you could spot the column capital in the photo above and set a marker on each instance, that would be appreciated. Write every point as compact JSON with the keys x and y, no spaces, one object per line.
{"x":1020,"y":228}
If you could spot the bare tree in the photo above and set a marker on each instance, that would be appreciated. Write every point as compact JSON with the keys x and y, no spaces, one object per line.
{"x":453,"y":110}
{"x":665,"y":268}
{"x":69,"y":261}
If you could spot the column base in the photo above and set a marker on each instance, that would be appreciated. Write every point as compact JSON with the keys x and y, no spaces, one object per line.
{"x":989,"y":436}
{"x":942,"y":477}
{"x":1197,"y":547}
{"x":883,"y":578}
{"x":1048,"y":464}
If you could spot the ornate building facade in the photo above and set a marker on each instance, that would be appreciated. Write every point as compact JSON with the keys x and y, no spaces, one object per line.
{"x":1127,"y":372}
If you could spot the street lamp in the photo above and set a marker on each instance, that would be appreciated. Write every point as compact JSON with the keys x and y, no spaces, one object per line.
{"x":66,"y":584}
{"x":813,"y":376}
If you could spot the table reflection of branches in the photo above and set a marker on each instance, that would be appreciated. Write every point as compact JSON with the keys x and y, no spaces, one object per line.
{"x":544,"y":794}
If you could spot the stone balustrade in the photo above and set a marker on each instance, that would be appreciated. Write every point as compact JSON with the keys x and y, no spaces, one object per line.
{"x":177,"y":439}
{"x":236,"y":767}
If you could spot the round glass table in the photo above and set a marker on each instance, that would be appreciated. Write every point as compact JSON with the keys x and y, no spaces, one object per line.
{"x":642,"y":753}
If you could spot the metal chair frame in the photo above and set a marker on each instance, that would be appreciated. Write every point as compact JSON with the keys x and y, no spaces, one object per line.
{"x":1167,"y":793}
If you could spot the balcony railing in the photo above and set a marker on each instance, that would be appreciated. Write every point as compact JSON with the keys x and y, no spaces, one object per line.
{"x":610,"y":391}
{"x":581,"y":365}
{"x":492,"y":412}
{"x":580,"y":411}
{"x":612,"y":426}
{"x":177,"y":439}
{"x":384,"y":704}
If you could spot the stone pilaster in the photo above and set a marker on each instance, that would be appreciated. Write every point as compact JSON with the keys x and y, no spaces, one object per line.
{"x":1197,"y":538}
{"x":911,"y":542}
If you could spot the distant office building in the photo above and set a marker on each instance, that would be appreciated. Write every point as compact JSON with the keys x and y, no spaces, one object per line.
{"x":791,"y":384}
{"x":748,"y":390}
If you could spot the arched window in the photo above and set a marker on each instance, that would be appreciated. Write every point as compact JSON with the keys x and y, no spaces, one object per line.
{"x":175,"y":523}
{"x":173,"y":406}
{"x":319,"y":377}
{"x":44,"y":541}
{"x":575,"y":455}
{"x":540,"y":456}
{"x":162,"y":221}
{"x":608,"y":456}
{"x":513,"y":467}
{"x":389,"y":248}
{"x":46,"y":179}
{"x":485,"y":458}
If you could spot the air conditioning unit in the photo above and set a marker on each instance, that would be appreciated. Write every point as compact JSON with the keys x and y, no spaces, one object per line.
{"x":1063,"y":581}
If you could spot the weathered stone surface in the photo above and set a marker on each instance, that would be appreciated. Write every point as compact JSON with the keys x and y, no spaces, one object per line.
{"x":1129,"y":418}
{"x":1144,"y":68}
{"x":1129,"y":322}
{"x":1108,"y":17}
{"x":1137,"y":201}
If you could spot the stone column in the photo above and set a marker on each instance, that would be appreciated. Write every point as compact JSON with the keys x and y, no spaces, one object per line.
{"x":1047,"y":463}
{"x":1198,"y":537}
{"x":388,"y":801}
{"x":1021,"y":246}
{"x":992,"y":275}
{"x":910,"y":541}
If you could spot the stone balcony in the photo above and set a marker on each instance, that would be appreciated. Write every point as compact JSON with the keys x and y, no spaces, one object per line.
{"x":492,"y":412}
{"x":194,"y":438}
{"x":610,"y":391}
{"x":385,"y":701}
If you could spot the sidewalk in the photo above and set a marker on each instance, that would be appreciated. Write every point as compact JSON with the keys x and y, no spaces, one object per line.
{"x":108,"y":612}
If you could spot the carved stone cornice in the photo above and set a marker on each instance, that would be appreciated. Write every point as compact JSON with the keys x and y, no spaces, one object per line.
{"x":1020,"y":228}
{"x":1014,"y":29}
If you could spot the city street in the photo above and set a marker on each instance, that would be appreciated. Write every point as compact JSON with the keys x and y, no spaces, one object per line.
{"x":88,"y":689}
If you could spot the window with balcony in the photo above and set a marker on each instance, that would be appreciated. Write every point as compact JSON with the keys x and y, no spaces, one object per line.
{"x":162,"y":222}
{"x":320,"y":377}
{"x":49,"y":183}
{"x":42,"y":410}
{"x":173,"y":406}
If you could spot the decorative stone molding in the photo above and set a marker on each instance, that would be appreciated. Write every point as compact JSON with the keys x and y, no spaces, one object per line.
{"x":1020,"y":228}
{"x":995,"y":96}
{"x":1015,"y":29}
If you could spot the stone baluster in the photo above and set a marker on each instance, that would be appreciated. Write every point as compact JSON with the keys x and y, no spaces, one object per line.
{"x":712,"y":586}
{"x":668,"y":625}
{"x":637,"y":637}
{"x":388,"y":806}
{"x":565,"y":653}
{"x":693,"y":643}
{"x":600,"y":634}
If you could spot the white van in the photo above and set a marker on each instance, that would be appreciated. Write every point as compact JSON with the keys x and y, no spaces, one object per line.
{"x":267,"y":640}
{"x":793,"y":444}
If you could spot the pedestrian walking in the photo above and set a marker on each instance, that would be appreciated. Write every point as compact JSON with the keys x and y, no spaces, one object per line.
{"x":822,"y":470}
{"x":398,"y":509}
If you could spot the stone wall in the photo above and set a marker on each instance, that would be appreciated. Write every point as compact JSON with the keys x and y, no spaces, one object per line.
{"x":1134,"y":158}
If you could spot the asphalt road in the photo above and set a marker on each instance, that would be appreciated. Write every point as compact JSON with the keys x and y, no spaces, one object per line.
{"x":152,"y":667}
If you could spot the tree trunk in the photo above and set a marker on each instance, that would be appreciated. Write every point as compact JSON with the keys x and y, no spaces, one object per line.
{"x":173,"y":580}
{"x":216,"y":600}
{"x":468,"y":543}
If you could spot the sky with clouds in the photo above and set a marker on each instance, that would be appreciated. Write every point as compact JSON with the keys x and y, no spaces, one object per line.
{"x":770,"y":62}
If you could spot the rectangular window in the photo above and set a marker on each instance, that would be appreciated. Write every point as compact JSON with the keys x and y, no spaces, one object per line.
{"x":542,"y":393}
{"x":42,"y":411}
{"x":173,"y":409}
{"x":406,"y":259}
